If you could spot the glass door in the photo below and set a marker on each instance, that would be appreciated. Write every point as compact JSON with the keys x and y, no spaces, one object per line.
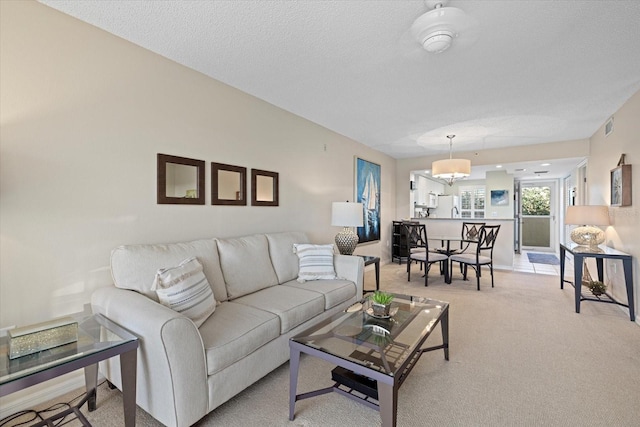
{"x":538,"y":215}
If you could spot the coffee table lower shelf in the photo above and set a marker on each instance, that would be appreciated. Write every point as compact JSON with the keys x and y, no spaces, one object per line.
{"x":354,"y":383}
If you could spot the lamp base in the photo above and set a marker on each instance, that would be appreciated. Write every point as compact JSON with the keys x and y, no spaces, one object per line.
{"x":346,"y":241}
{"x":587,"y":235}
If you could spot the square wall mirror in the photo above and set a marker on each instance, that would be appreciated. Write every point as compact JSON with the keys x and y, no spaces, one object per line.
{"x":228,"y":185}
{"x":180,"y":180}
{"x":264,"y":188}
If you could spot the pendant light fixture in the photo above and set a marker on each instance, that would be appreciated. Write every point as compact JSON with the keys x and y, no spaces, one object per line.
{"x":451,"y":169}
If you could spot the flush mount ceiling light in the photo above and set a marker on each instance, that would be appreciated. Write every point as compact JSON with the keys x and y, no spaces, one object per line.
{"x":451,"y":169}
{"x":437,"y":29}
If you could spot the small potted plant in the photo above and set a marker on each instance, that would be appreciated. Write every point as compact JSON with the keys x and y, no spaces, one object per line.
{"x":381,"y":303}
{"x":597,"y":287}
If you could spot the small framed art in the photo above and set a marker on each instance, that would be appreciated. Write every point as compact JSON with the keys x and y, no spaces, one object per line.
{"x":499,"y":197}
{"x":621,"y":186}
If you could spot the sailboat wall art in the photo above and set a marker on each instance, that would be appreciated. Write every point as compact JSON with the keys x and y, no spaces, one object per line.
{"x":367,"y":187}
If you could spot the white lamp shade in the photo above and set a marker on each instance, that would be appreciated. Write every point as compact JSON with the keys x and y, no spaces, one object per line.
{"x":347,"y":214}
{"x":451,"y":168}
{"x":587,"y":215}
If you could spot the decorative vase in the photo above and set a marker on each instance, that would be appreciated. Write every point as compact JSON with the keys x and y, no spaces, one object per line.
{"x":346,"y":241}
{"x":381,"y":310}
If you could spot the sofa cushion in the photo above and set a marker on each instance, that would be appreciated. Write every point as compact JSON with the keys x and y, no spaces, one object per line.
{"x":334,"y":291}
{"x":246,"y":264}
{"x":235,"y":331}
{"x":284,"y":260}
{"x":134,"y":267}
{"x":185,"y":289}
{"x":316,"y":262}
{"x":293,"y":306}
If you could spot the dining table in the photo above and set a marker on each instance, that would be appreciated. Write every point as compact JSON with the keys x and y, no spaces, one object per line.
{"x":445,"y":242}
{"x":446,"y":249}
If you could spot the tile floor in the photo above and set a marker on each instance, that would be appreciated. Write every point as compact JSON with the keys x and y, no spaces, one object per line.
{"x":521,"y":263}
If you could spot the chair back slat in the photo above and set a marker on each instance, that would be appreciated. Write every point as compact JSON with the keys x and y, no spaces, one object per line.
{"x":487,"y":238}
{"x":416,"y":235}
{"x":471,"y":230}
{"x":470,"y":233}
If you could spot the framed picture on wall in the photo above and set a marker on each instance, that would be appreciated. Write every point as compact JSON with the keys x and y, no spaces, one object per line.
{"x":621,"y":186}
{"x":499,"y":197}
{"x":367,"y":187}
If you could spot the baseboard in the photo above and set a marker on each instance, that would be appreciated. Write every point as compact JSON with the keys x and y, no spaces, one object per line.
{"x":40,"y":393}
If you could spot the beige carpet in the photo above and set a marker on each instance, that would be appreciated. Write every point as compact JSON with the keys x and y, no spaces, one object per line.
{"x":520,"y":356}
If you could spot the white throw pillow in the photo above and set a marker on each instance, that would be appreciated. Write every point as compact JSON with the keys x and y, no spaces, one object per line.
{"x":186,"y":290}
{"x":316,"y":262}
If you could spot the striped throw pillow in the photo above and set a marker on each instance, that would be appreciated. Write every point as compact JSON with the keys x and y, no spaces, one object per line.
{"x":186,"y":290}
{"x":315,"y":262}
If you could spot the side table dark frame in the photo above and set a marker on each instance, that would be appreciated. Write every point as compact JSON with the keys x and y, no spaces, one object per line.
{"x":578,"y":260}
{"x":368,"y":260}
{"x":128,"y":366}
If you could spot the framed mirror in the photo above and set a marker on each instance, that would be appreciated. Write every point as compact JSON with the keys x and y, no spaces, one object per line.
{"x":180,"y":180}
{"x":264,"y":188}
{"x":228,"y":185}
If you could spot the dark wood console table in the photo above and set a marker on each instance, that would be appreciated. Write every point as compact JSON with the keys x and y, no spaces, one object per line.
{"x":600,"y":253}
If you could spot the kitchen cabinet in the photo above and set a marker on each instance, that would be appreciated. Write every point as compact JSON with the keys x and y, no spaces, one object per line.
{"x":432,"y":200}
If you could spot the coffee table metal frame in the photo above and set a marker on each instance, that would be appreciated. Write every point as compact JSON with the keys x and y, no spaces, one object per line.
{"x":124,"y":345}
{"x":387,"y":383}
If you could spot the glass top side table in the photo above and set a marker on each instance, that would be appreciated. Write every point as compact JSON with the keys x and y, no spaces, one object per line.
{"x":98,"y":339}
{"x":600,"y":253}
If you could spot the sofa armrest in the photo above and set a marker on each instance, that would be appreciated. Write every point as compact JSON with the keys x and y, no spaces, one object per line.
{"x":172,"y":372}
{"x":350,"y":267}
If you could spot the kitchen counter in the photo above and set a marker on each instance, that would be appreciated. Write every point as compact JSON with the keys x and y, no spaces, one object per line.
{"x":503,"y":251}
{"x":487,"y":220}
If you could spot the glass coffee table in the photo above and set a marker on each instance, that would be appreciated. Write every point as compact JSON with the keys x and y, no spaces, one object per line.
{"x":98,"y":339}
{"x":373,"y":355}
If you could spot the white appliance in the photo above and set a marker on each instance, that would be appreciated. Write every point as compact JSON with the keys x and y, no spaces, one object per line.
{"x":448,"y":207}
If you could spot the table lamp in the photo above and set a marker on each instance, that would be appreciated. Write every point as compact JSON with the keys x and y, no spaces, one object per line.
{"x":587,"y":216}
{"x":346,"y":214}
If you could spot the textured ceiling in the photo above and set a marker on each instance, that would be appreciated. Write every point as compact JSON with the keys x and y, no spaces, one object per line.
{"x":540,"y":71}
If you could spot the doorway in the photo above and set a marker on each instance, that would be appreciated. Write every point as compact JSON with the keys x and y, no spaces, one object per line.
{"x":537,"y":205}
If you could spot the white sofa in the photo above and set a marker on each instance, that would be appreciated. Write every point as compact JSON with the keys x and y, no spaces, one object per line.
{"x":184,"y":372}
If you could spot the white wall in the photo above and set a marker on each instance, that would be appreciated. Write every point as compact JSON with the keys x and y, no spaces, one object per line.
{"x":83,"y":115}
{"x":499,"y":180}
{"x":624,"y":232}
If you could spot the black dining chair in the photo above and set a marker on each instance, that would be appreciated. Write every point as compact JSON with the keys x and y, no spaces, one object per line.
{"x":483,"y":254}
{"x":468,"y":233}
{"x":413,"y":238}
{"x":419,"y":252}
